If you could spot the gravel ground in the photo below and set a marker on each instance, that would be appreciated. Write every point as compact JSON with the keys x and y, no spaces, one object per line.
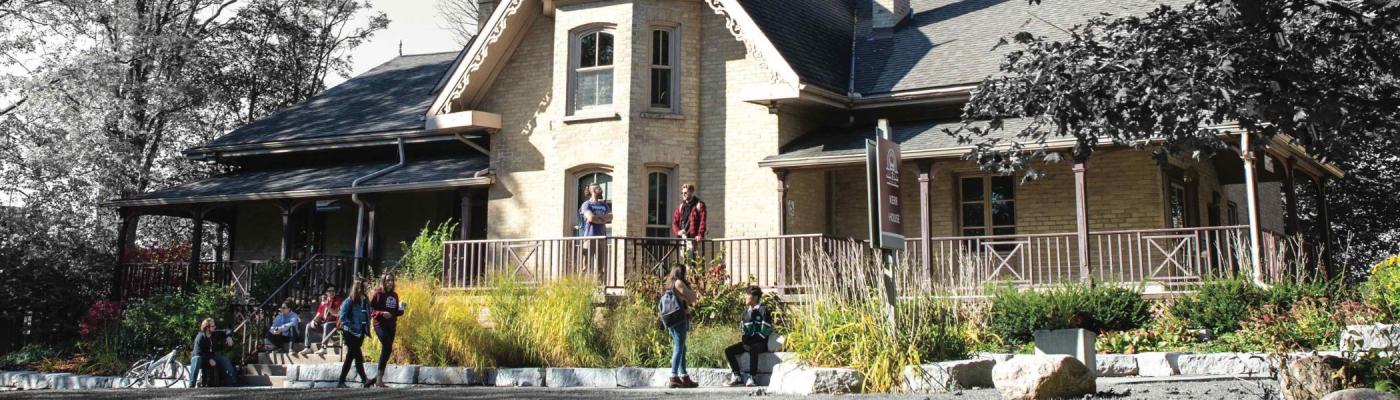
{"x":1109,"y":388}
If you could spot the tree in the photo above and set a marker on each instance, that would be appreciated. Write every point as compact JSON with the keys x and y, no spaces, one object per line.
{"x":462,"y":18}
{"x":1322,"y":72}
{"x":99,"y":97}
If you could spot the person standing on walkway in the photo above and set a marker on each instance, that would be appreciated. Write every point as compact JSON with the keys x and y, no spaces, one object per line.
{"x":354,"y":325}
{"x":596,"y":214}
{"x":385,"y":308}
{"x":675,"y":315}
{"x":755,"y":328}
{"x":688,"y":222}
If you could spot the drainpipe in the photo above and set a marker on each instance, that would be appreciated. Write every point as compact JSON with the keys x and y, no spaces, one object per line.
{"x":360,"y":218}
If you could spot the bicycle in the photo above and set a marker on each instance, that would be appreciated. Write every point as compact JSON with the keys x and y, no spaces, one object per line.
{"x":150,"y":368}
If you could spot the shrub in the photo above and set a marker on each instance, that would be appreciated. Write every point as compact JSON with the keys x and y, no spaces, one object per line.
{"x":1015,"y":315}
{"x":557,"y":324}
{"x":26,"y":356}
{"x":505,"y":304}
{"x":267,"y":277}
{"x":635,"y":336}
{"x":1218,"y":305}
{"x":1382,"y":288}
{"x":705,"y":345}
{"x":171,"y":318}
{"x":422,"y":259}
{"x":103,"y":317}
{"x":440,"y":328}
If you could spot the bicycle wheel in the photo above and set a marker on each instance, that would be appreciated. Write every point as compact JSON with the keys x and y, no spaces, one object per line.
{"x":181,"y":373}
{"x":138,"y":371}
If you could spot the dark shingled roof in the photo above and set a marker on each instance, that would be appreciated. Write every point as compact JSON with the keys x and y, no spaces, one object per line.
{"x":275,"y":183}
{"x":949,"y":42}
{"x":814,"y":37}
{"x":393,"y":96}
{"x":914,"y":135}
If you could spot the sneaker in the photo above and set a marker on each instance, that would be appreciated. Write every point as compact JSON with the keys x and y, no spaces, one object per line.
{"x":687,"y":383}
{"x":737,"y":380}
{"x":306,"y":351}
{"x":321,"y":352}
{"x":750,"y":382}
{"x":674,"y":383}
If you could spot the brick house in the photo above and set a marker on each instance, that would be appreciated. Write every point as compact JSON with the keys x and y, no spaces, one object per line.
{"x":765,"y":105}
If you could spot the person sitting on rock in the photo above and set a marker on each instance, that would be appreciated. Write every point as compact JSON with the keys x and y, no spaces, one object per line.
{"x":754,"y":340}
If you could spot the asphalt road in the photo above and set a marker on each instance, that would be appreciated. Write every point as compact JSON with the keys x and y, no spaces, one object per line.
{"x":1109,"y":388}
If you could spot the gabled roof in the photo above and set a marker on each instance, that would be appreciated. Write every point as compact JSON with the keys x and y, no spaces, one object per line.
{"x":814,"y":38}
{"x":391,"y":97}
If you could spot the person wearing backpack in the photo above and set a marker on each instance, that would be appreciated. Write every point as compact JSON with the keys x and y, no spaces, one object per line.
{"x":755,"y":327}
{"x":675,"y":316}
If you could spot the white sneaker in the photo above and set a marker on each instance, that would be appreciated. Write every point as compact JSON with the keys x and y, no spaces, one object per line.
{"x":322,"y":351}
{"x":750,"y":382}
{"x":306,"y":351}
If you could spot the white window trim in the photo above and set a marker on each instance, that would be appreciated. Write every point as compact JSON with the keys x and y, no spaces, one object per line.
{"x":574,"y":51}
{"x":674,"y":37}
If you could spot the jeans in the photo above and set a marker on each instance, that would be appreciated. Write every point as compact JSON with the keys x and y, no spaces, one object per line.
{"x":327,"y":332}
{"x":353,"y":354}
{"x":678,"y":348}
{"x":225,"y":368}
{"x":386,"y":346}
{"x":754,"y":345}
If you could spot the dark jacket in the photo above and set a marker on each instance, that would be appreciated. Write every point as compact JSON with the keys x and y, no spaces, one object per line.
{"x":694,"y":227}
{"x":383,"y":305}
{"x":203,"y":345}
{"x":757,"y":322}
{"x":354,"y":317}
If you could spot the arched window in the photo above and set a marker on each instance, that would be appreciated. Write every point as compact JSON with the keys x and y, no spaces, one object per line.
{"x":660,"y":197}
{"x":581,"y":185}
{"x":591,"y":70}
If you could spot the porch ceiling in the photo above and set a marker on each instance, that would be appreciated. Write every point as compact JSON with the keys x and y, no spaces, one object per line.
{"x":320,"y":181}
{"x":917,"y":139}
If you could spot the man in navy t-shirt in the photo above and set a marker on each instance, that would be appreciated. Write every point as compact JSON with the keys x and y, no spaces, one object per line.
{"x":597,"y":214}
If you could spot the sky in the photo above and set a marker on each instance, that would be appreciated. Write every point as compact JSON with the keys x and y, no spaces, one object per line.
{"x":415,"y":23}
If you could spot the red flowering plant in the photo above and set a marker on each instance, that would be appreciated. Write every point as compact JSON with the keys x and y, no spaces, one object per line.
{"x":101,"y":318}
{"x":178,"y":253}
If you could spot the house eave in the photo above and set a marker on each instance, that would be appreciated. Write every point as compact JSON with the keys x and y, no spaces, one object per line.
{"x":311,"y":193}
{"x":372,"y":139}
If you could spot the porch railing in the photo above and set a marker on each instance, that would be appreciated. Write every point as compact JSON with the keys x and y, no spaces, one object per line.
{"x":1161,"y":260}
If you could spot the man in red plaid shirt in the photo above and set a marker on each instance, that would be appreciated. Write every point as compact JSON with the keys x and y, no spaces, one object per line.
{"x":689,"y":219}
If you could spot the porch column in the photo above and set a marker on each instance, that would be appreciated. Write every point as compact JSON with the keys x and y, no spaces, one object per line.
{"x":782,"y":201}
{"x":1251,"y":189}
{"x":1081,"y":219}
{"x":287,"y":208}
{"x":1290,"y":194}
{"x":196,"y":244}
{"x":926,"y":217}
{"x":126,"y":237}
{"x":371,"y":231}
{"x":1325,"y":219}
{"x":465,"y":208}
{"x":219,"y":236}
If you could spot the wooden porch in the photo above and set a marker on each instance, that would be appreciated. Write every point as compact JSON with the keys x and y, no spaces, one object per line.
{"x":1163,"y":261}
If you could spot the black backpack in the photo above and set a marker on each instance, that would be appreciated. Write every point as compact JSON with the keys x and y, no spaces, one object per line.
{"x":672,"y":309}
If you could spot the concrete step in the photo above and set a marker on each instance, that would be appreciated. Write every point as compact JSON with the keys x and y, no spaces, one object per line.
{"x":262,"y":381}
{"x":282,"y":358}
{"x":265,"y":369}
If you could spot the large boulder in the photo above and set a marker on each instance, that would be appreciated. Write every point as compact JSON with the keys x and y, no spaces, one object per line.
{"x":1043,"y":377}
{"x":1116,"y":365}
{"x":1371,"y":337}
{"x":766,"y":361}
{"x":1311,"y":377}
{"x":949,"y":376}
{"x":1359,"y":394}
{"x":793,"y":378}
{"x":1078,"y":343}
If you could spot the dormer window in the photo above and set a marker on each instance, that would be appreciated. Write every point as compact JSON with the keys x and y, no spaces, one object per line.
{"x":664,"y":79}
{"x":591,"y":72}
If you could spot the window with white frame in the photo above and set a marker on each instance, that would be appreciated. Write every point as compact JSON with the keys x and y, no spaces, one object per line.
{"x":659,"y":202}
{"x":591,"y":73}
{"x":988,"y":205}
{"x":664,"y":79}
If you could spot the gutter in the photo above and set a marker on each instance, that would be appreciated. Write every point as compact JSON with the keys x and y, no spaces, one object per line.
{"x":360,"y":218}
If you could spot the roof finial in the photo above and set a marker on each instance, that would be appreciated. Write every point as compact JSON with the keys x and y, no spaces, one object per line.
{"x":401,"y":48}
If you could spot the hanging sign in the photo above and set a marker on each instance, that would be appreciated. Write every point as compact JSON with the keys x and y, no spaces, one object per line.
{"x":882,"y":165}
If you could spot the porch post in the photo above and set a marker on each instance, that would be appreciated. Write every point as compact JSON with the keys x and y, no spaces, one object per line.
{"x":126,"y":236}
{"x":782,"y":201}
{"x":1325,"y":219}
{"x":196,"y":244}
{"x":371,"y":231}
{"x":287,"y":208}
{"x":1290,"y":194}
{"x":465,"y":208}
{"x":219,"y":236}
{"x":1081,"y":219}
{"x":1252,"y":201}
{"x":926,"y":216}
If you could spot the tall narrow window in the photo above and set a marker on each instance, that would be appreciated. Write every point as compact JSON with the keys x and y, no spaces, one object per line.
{"x":663,"y":75}
{"x":1176,"y":205}
{"x":1232,"y":213}
{"x":593,"y":70}
{"x":581,"y":194}
{"x":659,"y":203}
{"x":988,"y":205}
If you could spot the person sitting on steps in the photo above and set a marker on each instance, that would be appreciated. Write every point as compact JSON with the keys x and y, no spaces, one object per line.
{"x":284,"y":330}
{"x":327,"y":313}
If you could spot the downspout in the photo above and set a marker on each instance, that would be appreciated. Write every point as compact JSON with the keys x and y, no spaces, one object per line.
{"x":360,"y":218}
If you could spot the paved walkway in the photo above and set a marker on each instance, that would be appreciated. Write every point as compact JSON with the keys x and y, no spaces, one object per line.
{"x":1109,"y":388}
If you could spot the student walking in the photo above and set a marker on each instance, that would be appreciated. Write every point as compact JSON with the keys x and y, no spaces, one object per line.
{"x":327,"y":313}
{"x":675,"y":315}
{"x":354,"y":325}
{"x":284,"y":330}
{"x":755,"y":327}
{"x":688,"y":222}
{"x":385,"y":308}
